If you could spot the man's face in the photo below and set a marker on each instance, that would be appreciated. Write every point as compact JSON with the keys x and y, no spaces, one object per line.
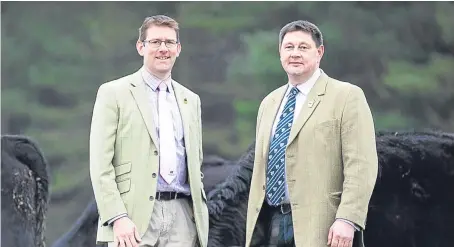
{"x":299,"y":54}
{"x":160,"y":49}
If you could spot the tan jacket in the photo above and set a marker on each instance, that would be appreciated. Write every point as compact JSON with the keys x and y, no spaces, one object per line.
{"x":331,"y":160}
{"x":124,"y":154}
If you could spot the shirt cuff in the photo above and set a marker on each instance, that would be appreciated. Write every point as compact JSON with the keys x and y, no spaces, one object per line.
{"x":111,"y":221}
{"x":349,"y":222}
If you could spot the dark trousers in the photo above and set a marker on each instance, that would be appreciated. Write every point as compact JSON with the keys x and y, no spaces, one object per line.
{"x":274,"y":227}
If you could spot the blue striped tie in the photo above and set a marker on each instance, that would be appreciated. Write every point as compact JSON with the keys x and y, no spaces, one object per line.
{"x":275,"y":175}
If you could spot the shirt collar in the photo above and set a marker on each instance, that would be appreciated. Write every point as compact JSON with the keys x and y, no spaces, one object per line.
{"x":153,"y":82}
{"x":306,"y":87}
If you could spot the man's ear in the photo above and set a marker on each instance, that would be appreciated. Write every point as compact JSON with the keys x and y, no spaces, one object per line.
{"x":321,"y":51}
{"x":178,"y":49}
{"x":140,"y":47}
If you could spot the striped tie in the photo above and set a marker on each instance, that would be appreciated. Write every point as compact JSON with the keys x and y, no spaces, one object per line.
{"x":275,"y":175}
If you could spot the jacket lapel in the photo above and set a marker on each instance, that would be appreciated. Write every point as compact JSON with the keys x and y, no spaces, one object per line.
{"x":138,"y":90}
{"x":269,"y":115}
{"x":313,"y":99}
{"x":184,"y":107}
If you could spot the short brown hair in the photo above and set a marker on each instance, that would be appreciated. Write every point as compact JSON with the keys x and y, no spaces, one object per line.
{"x":303,"y":26}
{"x":158,"y":20}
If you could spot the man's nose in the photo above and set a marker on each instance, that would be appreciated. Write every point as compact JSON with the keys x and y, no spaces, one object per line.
{"x":296,"y":54}
{"x":163,"y":47}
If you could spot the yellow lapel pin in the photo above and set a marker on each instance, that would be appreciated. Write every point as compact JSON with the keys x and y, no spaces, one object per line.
{"x":185,"y":100}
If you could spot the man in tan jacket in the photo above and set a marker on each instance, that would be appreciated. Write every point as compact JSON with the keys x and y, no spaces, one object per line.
{"x":315,"y":155}
{"x":146,"y":150}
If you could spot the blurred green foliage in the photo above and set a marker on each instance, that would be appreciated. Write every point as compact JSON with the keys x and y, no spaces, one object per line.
{"x":55,"y":55}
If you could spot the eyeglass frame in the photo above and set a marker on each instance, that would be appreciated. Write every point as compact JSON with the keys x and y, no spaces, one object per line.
{"x":166,"y":43}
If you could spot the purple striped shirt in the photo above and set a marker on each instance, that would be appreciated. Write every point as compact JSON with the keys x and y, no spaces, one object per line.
{"x":180,"y":184}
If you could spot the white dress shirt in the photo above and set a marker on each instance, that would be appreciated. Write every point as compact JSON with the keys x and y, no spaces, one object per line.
{"x":304,"y":89}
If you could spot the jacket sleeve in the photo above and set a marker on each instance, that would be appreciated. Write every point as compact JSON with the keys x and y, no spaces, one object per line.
{"x":359,"y":156}
{"x":102,"y":140}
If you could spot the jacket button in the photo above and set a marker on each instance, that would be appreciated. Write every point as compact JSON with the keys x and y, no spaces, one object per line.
{"x":155,"y":152}
{"x":151,"y":198}
{"x":153,"y":175}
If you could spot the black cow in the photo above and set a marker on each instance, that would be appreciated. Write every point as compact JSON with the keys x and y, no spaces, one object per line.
{"x":411,"y":206}
{"x":83,"y":231}
{"x":227,"y":206}
{"x":413,"y":200}
{"x":25,"y":192}
{"x":215,"y":170}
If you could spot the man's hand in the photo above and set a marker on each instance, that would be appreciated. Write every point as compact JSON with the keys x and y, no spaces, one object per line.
{"x":125,"y":232}
{"x":340,"y":234}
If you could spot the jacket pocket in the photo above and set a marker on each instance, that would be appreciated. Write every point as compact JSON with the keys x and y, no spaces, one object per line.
{"x":327,"y":129}
{"x":123,"y":177}
{"x":122,"y":172}
{"x":124,"y":186}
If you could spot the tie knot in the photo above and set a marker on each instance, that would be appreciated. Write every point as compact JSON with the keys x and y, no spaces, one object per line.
{"x":163,"y":87}
{"x":293,"y":92}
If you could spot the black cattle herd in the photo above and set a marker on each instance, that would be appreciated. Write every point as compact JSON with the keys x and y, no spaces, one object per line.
{"x":412,"y":204}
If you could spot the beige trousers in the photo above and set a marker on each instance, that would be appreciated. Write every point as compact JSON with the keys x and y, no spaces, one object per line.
{"x":171,"y":225}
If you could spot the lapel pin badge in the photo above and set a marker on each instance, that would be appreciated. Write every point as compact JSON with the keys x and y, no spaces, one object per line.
{"x":185,"y":100}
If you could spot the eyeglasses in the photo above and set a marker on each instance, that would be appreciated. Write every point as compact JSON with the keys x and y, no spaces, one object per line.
{"x":155,"y":43}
